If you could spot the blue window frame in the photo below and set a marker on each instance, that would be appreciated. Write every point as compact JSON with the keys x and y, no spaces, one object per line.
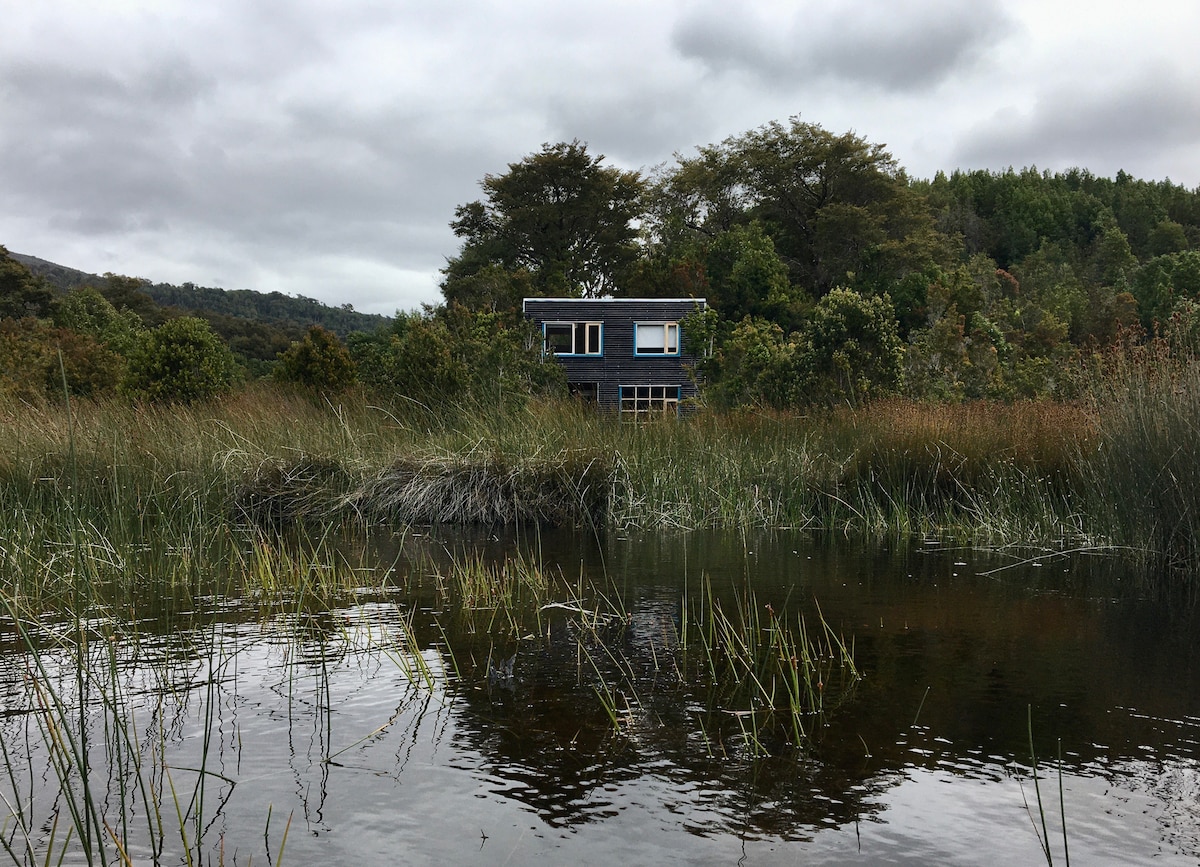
{"x":573,"y":338}
{"x":642,"y":401}
{"x":656,"y":338}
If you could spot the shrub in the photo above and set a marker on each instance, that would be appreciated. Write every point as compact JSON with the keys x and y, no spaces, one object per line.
{"x":319,"y":361}
{"x":181,"y":360}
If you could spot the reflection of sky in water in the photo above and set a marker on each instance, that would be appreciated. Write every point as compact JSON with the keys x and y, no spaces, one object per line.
{"x":326,"y":718}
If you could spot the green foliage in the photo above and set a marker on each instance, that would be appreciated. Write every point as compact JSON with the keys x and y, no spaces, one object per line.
{"x":1164,"y":281}
{"x":1167,"y":237}
{"x":849,"y":349}
{"x":753,"y":365}
{"x":127,"y":293}
{"x":503,"y":356}
{"x":455,"y":355}
{"x":748,"y":278}
{"x":22,"y":295}
{"x":837,"y":208}
{"x":36,"y":358}
{"x":852,"y":349}
{"x":86,"y":311}
{"x":319,"y":362}
{"x":413,"y":359}
{"x":558,"y":215}
{"x":491,"y":288}
{"x":181,"y":360}
{"x":286,"y":313}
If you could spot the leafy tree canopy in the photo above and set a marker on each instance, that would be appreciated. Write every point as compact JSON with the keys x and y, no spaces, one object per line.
{"x":21,"y":293}
{"x":837,"y":208}
{"x":559,"y":215}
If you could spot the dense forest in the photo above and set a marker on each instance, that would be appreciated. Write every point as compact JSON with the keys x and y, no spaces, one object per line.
{"x":830,"y":275}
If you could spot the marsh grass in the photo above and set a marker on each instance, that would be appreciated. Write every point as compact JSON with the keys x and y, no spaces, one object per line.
{"x":1143,"y":469}
{"x":1118,"y":470}
{"x":274,"y":459}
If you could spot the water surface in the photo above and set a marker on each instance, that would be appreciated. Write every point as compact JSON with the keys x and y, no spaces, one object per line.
{"x":381,"y":747}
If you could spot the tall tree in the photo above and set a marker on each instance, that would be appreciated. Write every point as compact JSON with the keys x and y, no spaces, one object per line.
{"x":559,"y":215}
{"x":838,"y":208}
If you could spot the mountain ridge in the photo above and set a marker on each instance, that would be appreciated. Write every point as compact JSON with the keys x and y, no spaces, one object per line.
{"x":275,"y":308}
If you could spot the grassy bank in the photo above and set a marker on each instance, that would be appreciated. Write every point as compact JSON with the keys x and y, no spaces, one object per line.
{"x":1120,"y":470}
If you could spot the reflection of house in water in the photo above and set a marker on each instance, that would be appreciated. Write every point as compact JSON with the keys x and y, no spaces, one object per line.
{"x":625,"y":353}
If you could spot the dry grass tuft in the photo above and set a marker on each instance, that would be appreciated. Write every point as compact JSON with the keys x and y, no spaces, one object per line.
{"x":568,"y":489}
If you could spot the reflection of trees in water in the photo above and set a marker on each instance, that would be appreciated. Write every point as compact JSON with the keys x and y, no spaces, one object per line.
{"x":951,"y":666}
{"x":549,"y":739}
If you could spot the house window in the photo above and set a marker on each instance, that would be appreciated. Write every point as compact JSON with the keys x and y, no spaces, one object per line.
{"x":656,"y":338}
{"x":572,"y":338}
{"x":587,"y":392}
{"x":638,"y":401}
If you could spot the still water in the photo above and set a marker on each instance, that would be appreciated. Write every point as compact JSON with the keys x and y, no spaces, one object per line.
{"x":358,"y":735}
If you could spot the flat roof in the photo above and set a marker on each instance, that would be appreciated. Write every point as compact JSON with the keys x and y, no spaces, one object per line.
{"x":611,"y":300}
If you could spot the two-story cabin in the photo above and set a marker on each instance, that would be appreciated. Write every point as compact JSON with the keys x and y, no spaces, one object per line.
{"x":625,"y":353}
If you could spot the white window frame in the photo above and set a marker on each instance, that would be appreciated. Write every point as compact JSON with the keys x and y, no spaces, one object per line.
{"x":587,"y":338}
{"x":670,"y":338}
{"x":643,"y":401}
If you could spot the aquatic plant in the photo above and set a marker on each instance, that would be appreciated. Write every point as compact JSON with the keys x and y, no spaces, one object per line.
{"x":1142,"y":471}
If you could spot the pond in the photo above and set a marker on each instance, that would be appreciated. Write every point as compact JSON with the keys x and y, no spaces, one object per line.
{"x":392,"y":728}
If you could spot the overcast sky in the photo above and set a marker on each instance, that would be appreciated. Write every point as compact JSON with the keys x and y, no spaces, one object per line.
{"x":318,"y":147}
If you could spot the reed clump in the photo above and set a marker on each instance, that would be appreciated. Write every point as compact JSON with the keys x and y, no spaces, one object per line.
{"x":282,"y":492}
{"x":1142,"y":471}
{"x":569,"y":488}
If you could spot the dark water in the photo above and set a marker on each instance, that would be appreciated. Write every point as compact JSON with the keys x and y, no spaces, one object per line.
{"x":355,"y":724}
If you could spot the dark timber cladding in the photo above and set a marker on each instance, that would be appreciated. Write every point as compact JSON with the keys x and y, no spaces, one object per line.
{"x":625,"y":353}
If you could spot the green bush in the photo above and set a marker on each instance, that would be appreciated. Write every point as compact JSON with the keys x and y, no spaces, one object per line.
{"x":181,"y":360}
{"x":319,"y":361}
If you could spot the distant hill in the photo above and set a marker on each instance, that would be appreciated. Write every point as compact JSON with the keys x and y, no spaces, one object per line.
{"x":59,"y":277}
{"x":290,"y":312}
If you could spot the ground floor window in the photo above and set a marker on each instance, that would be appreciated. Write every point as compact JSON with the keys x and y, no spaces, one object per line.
{"x":588,"y":392}
{"x":644,"y":400}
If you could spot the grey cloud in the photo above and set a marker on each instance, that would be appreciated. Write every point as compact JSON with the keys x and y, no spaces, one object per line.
{"x":1131,"y":127}
{"x":634,"y":129}
{"x":96,"y":143}
{"x":896,"y":48}
{"x":301,"y":144}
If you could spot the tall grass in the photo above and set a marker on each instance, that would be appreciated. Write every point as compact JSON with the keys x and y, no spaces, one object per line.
{"x":1118,"y":470}
{"x":1142,"y":471}
{"x":269,"y":458}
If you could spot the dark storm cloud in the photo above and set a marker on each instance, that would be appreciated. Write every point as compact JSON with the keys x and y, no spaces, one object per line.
{"x":913,"y":46}
{"x":1135,"y":126}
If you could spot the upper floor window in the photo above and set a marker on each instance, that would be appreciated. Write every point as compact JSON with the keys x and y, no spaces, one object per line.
{"x":572,"y":338}
{"x":656,"y":338}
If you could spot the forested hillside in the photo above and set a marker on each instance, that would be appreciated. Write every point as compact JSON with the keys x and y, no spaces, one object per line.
{"x":276,"y":308}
